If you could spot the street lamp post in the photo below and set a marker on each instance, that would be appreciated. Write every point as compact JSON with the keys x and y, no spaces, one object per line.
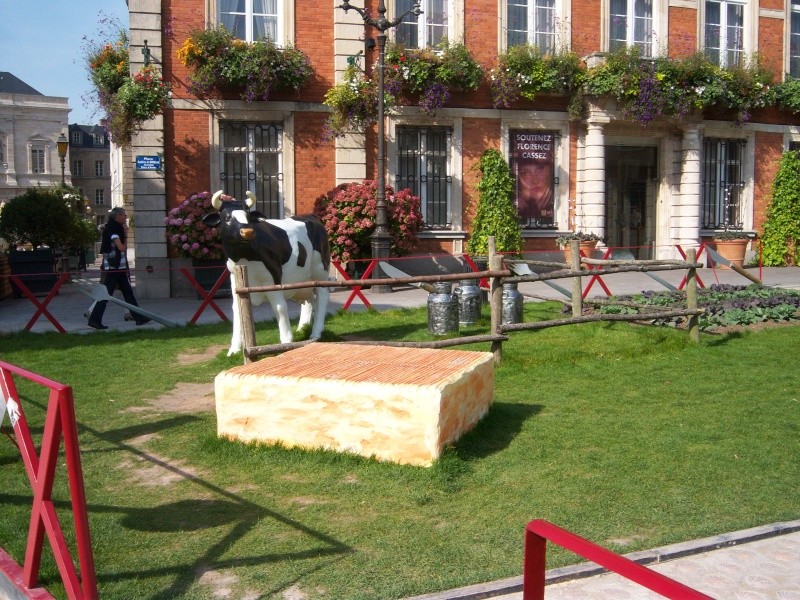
{"x":62,"y":144}
{"x":381,"y":238}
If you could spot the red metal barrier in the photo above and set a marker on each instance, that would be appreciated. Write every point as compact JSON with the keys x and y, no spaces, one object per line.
{"x":606,"y":255}
{"x":41,"y":307}
{"x":59,"y":421}
{"x":538,"y":532}
{"x":700,"y":251}
{"x":356,"y":289}
{"x":208,"y":297}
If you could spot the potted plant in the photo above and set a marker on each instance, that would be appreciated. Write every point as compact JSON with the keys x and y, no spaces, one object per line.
{"x":588,"y":243}
{"x":731,"y":244}
{"x":220,"y":62}
{"x":348,"y":214}
{"x":128,"y":101}
{"x":191,"y":238}
{"x":37,"y":225}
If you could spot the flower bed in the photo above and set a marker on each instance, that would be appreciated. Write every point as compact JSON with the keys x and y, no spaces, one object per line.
{"x":725,"y":305}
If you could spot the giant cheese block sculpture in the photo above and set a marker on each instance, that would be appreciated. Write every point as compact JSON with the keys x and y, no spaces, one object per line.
{"x":396,"y":404}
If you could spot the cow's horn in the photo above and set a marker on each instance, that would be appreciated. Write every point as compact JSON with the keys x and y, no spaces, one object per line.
{"x":251,"y":199}
{"x":215,"y":200}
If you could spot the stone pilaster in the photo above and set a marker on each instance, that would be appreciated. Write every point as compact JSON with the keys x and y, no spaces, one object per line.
{"x":145,"y":189}
{"x":348,"y":33}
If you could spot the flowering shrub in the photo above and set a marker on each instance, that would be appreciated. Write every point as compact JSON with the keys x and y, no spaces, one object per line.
{"x":354,"y":103}
{"x":431,"y":72}
{"x":186,"y":231}
{"x":525,"y":72}
{"x":348,"y":213}
{"x":127,"y":101}
{"x":220,"y":60}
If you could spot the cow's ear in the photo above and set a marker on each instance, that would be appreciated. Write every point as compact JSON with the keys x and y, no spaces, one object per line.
{"x":212,"y":220}
{"x":254,"y":216}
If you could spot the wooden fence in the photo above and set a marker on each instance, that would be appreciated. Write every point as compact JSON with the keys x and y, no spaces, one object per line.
{"x":496,"y":276}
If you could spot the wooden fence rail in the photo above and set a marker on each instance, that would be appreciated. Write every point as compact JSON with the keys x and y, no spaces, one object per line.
{"x":496,"y":276}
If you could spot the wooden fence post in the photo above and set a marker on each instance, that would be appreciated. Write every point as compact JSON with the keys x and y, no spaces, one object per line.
{"x":577,"y":283}
{"x":495,"y":298}
{"x":246,"y":324}
{"x":691,"y":296}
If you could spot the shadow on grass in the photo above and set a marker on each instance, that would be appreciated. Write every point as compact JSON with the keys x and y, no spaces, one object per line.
{"x":496,"y":430}
{"x":236,"y":516}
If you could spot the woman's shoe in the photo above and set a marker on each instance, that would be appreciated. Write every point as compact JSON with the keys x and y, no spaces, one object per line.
{"x":96,"y":325}
{"x":142,"y":321}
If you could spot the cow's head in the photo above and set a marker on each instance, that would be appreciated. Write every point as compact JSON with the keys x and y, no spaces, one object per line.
{"x":232,"y":217}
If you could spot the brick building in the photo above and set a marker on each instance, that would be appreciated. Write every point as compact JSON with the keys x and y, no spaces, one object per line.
{"x":646,"y":188}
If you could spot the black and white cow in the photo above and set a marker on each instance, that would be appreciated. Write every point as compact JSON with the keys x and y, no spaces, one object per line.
{"x":276,"y":251}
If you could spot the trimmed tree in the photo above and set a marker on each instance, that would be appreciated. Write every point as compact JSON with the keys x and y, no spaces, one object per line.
{"x":496,"y":214}
{"x":782,"y":227}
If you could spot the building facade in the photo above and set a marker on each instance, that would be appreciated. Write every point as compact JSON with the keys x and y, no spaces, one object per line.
{"x":30,"y":125}
{"x":90,"y":166}
{"x":649,"y":189}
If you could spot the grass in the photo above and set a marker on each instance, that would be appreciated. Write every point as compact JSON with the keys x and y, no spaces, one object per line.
{"x":628,"y":435}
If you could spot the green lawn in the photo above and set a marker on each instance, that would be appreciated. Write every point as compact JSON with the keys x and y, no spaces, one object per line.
{"x":628,"y":435}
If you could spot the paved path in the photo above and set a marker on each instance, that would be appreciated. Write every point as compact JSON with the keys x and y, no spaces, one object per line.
{"x":761,"y":563}
{"x":69,"y":306}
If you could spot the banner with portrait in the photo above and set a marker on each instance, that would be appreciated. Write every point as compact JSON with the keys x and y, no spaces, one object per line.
{"x":532,"y":160}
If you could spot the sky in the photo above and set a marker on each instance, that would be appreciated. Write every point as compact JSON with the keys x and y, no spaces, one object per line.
{"x":42,"y":42}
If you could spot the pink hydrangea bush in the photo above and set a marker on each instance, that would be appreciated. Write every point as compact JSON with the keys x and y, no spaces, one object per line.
{"x":187,"y":233}
{"x":348,"y":213}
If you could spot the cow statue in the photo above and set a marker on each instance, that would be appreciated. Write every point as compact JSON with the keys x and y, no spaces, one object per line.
{"x":275,"y":251}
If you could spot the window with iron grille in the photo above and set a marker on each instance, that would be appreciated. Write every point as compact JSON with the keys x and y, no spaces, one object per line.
{"x":532,"y":22}
{"x":631,"y":24}
{"x":251,"y":158}
{"x":426,"y":29}
{"x":423,"y":162}
{"x":252,"y":20}
{"x":723,"y":182}
{"x":724,"y":32}
{"x":37,"y":160}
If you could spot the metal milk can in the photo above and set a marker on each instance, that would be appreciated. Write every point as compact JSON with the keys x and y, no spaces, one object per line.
{"x":469,"y":302}
{"x":512,"y":304}
{"x":442,"y":309}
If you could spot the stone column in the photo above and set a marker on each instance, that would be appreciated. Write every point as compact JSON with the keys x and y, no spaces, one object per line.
{"x":145,"y":189}
{"x":685,"y":214}
{"x":590,"y":214}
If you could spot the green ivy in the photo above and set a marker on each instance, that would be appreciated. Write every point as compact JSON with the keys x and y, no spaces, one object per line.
{"x":496,"y":215}
{"x":782,"y":228}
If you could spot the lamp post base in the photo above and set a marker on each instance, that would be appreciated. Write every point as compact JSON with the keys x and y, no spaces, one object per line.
{"x":381,"y":249}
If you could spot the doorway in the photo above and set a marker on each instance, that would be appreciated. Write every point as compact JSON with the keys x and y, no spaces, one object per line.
{"x":631,"y":180}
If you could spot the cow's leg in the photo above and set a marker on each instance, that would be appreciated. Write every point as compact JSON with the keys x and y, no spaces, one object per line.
{"x":306,"y":312}
{"x":321,"y":296}
{"x":236,"y":338}
{"x":281,"y":310}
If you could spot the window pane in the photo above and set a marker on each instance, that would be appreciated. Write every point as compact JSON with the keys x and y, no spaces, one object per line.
{"x":265,"y":28}
{"x":517,"y":22}
{"x":235,"y":24}
{"x":265,"y":7}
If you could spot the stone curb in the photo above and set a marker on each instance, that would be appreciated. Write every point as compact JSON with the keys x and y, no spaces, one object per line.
{"x":513,"y":585}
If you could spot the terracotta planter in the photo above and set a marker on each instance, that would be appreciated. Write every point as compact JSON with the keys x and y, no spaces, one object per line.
{"x":733,"y":250}
{"x":587,"y":248}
